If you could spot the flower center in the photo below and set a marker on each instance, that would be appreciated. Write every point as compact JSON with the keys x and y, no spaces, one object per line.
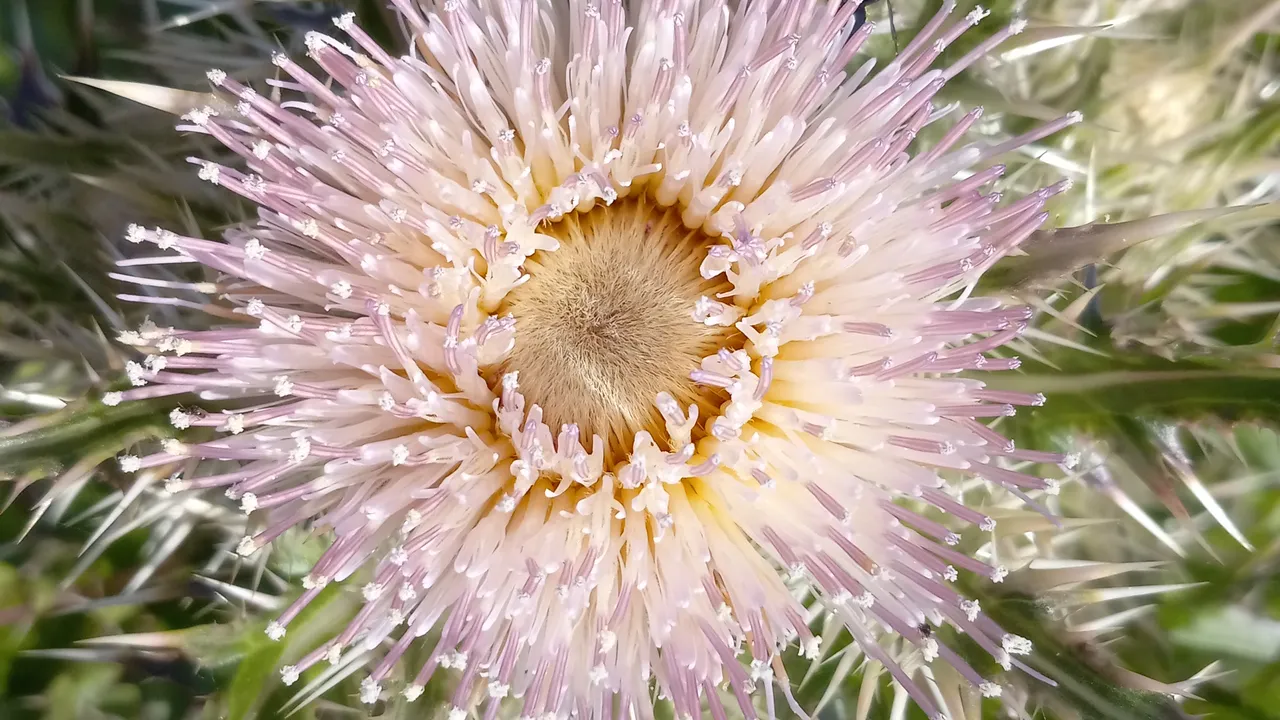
{"x":605,"y":322}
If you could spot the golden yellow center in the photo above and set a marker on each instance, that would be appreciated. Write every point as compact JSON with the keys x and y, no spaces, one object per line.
{"x":605,"y":322}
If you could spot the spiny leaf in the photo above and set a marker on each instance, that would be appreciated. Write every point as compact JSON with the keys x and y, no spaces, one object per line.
{"x":1086,"y":682}
{"x":170,"y":100}
{"x":1040,"y":39}
{"x":1057,"y":251}
{"x":1048,"y":574}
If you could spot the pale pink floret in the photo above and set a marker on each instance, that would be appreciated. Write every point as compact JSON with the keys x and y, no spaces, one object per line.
{"x":399,"y":200}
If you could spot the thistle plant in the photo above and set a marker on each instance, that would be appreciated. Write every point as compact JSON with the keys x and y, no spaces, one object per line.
{"x":576,"y":361}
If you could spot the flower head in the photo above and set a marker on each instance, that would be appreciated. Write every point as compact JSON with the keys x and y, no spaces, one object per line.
{"x":589,"y":330}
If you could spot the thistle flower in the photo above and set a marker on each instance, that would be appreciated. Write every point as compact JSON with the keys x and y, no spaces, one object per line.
{"x":592,"y":333}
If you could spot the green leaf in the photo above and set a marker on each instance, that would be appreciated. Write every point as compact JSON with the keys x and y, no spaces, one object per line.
{"x":1232,"y":631}
{"x":77,"y":693}
{"x":85,"y":154}
{"x":257,"y":676}
{"x":1136,"y":385}
{"x":245,"y":693}
{"x":68,"y":431}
